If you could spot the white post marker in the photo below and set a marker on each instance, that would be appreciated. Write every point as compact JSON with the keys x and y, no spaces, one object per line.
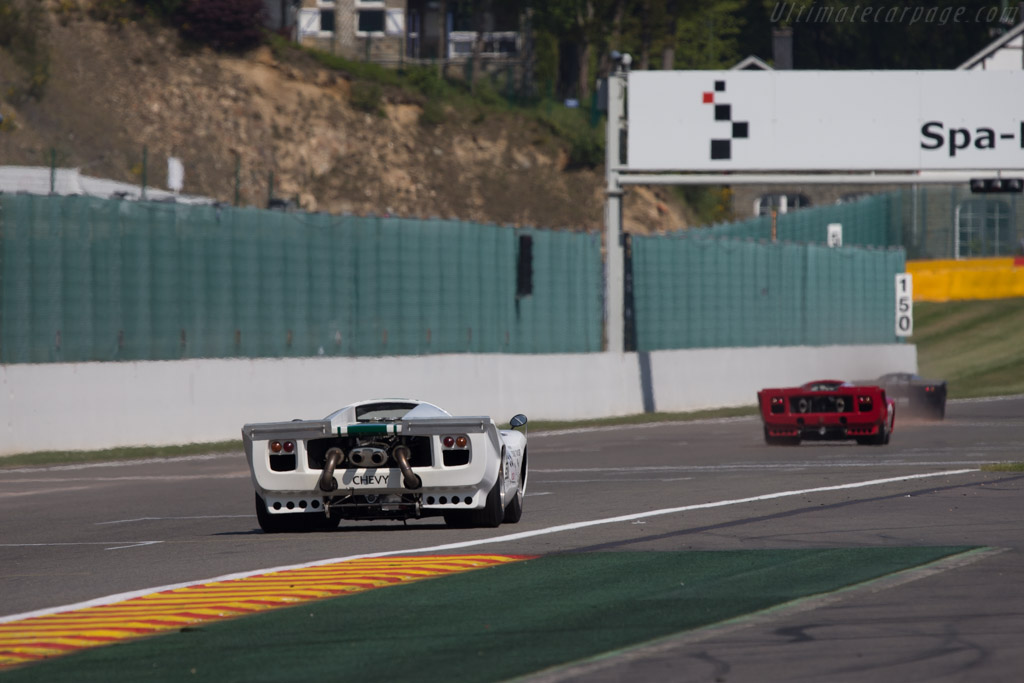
{"x":835,"y":234}
{"x":904,"y":305}
{"x":175,"y":174}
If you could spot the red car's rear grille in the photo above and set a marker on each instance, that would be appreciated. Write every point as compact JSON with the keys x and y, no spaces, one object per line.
{"x":831,"y":403}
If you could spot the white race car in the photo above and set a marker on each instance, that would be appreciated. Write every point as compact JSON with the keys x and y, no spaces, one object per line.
{"x":386,"y":459}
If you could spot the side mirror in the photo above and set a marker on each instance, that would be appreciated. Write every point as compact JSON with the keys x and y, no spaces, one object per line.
{"x":517,"y":421}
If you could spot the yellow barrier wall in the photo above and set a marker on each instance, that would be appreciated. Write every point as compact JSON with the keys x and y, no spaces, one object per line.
{"x":979,"y":278}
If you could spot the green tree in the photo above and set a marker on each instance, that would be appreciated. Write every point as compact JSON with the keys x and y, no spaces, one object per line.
{"x":581,"y":28}
{"x":707,"y":34}
{"x":921,"y":34}
{"x":222,"y":24}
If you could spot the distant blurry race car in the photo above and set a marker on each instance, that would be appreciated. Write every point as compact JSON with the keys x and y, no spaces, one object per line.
{"x":915,"y":395}
{"x":386,"y":459}
{"x":827,"y":409}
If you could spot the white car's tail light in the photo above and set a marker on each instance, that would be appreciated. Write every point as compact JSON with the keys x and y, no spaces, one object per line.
{"x":282,"y":455}
{"x":455,"y":450}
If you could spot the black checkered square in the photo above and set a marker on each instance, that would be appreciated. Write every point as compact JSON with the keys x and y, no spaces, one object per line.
{"x":722,"y":149}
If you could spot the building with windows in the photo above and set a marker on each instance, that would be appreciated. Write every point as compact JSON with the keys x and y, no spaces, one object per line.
{"x":392,"y":32}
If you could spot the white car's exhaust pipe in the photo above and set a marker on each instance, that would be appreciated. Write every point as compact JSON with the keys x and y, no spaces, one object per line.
{"x":401,"y":454}
{"x":332,"y":459}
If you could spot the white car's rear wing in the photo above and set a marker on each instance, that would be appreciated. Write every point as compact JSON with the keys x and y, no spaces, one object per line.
{"x":296,"y":429}
{"x":313,"y":429}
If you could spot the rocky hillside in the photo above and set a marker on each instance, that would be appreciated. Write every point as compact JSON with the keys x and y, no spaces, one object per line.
{"x":115,"y":89}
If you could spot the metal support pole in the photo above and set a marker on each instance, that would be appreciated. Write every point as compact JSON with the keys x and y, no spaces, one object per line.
{"x":145,"y":169}
{"x":238,"y":168}
{"x":614,"y":325}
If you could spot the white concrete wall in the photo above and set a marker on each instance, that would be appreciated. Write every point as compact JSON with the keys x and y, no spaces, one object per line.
{"x":704,"y":378}
{"x":89,"y":406}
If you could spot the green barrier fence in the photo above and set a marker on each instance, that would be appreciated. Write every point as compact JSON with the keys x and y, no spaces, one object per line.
{"x":875,"y":221}
{"x":86,"y":279}
{"x":691,"y":291}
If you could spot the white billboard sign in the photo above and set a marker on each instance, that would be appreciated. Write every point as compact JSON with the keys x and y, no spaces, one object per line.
{"x":825,"y":120}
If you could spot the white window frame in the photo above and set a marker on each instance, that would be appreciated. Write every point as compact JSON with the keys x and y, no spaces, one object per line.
{"x":460,"y":43}
{"x":376,"y":5}
{"x":983,"y":221}
{"x":327,"y":5}
{"x":308,"y":22}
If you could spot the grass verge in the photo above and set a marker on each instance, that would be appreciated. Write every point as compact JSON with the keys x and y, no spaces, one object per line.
{"x":1004,"y":467}
{"x":144,"y":452}
{"x":115,"y":454}
{"x":976,"y":346}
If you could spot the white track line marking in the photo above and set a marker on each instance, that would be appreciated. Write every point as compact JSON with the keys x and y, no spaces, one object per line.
{"x":128,"y":544}
{"x":162,"y":519}
{"x":616,"y":480}
{"x":134,"y":545}
{"x":645,"y":425}
{"x":986,"y":399}
{"x":119,"y":597}
{"x":41,"y":492}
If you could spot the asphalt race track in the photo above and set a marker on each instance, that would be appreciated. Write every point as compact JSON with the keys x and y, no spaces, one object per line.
{"x":74,"y":534}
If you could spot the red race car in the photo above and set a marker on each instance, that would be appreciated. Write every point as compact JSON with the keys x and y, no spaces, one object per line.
{"x":827,"y":409}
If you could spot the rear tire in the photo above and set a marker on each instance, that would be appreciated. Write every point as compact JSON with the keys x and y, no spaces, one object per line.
{"x":881,"y":438}
{"x":294,"y":522}
{"x":514,"y":511}
{"x":271,"y":524}
{"x":489,"y":516}
{"x":457,"y":520}
{"x":492,"y":513}
{"x":780,"y":440}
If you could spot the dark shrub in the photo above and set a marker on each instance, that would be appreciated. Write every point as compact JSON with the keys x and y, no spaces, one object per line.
{"x":223,"y":24}
{"x":366,"y":97}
